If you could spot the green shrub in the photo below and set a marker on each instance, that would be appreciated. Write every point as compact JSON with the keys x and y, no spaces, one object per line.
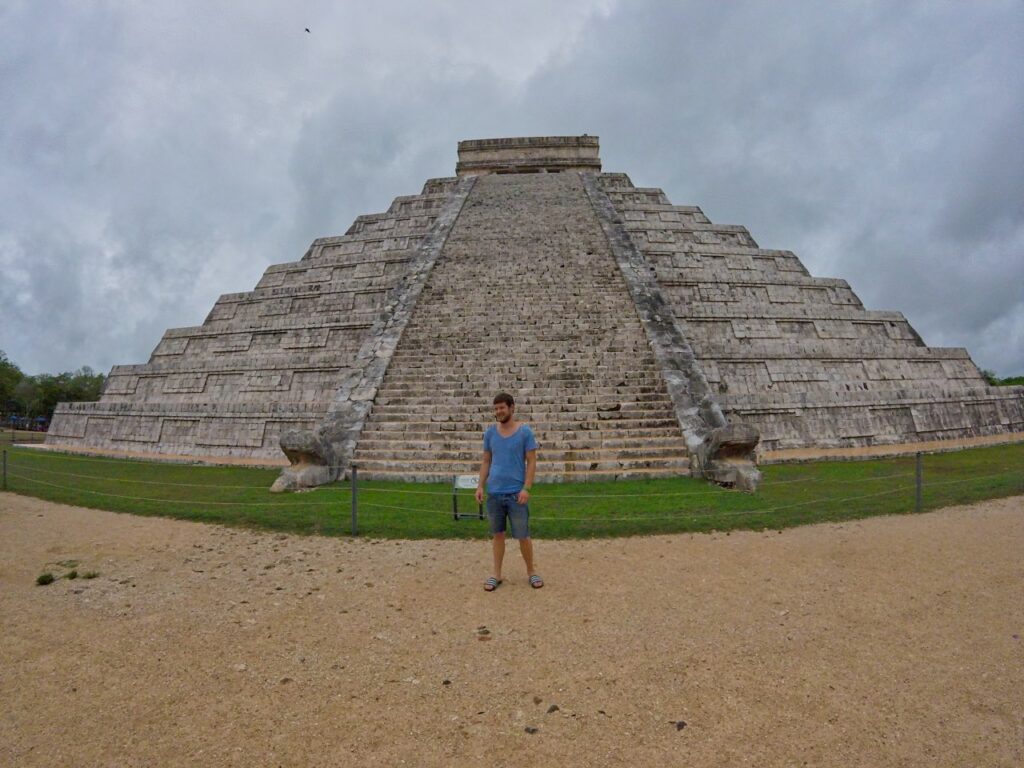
{"x":44,"y":578}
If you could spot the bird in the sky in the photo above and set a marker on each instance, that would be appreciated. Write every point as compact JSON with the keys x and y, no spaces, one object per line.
{"x":307,"y":29}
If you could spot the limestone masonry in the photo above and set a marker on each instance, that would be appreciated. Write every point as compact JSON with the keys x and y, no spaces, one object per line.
{"x":638,"y":338}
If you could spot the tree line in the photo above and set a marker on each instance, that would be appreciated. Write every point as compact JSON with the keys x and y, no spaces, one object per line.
{"x":31,"y":397}
{"x":995,"y":381}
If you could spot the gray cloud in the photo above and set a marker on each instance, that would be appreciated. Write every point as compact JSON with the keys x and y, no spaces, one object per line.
{"x":154,"y":157}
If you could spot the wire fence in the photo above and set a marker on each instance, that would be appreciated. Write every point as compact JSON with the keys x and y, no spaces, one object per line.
{"x":788,"y":496}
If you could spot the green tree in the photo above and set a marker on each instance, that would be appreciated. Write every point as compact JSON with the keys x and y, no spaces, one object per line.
{"x":33,"y":396}
{"x":995,"y":381}
{"x":990,"y":377}
{"x":85,"y":384}
{"x":49,"y":391}
{"x":67,"y":387}
{"x":26,"y":396}
{"x":10,"y":376}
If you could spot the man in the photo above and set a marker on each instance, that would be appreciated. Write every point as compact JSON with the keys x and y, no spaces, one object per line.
{"x":508,"y":466}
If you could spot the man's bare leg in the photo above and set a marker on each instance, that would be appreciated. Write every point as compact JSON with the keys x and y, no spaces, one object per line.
{"x":498,"y":548}
{"x":526,"y":547}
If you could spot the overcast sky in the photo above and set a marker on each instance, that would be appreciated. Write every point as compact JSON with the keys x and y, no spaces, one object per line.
{"x":155,"y":155}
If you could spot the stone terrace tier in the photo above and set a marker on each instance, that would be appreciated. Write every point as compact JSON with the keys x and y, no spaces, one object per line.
{"x":798,"y":356}
{"x":526,"y":298}
{"x":623,"y":325}
{"x":264,"y":361}
{"x":543,"y":154}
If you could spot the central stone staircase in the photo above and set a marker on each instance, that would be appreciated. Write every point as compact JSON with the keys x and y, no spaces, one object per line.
{"x":527,"y":298}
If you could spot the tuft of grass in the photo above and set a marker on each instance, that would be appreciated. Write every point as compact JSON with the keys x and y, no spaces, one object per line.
{"x":72,"y":575}
{"x":90,"y":574}
{"x":44,"y":578}
{"x":791,"y":495}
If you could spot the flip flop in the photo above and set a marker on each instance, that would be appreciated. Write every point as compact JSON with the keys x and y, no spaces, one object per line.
{"x":491,"y":584}
{"x":536,"y":581}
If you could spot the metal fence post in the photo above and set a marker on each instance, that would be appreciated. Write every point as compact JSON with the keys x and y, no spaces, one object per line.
{"x":5,"y":469}
{"x":355,"y":530}
{"x":917,"y":493}
{"x":455,"y":497}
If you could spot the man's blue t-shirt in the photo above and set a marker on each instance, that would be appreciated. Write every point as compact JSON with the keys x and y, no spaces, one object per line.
{"x":508,"y":458}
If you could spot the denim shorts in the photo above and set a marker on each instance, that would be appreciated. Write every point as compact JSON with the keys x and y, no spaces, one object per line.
{"x":504,"y":505}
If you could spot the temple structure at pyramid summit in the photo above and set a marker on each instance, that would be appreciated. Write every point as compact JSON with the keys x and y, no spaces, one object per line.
{"x":639,"y":339}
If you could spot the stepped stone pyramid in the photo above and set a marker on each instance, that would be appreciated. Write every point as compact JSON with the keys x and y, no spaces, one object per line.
{"x":638,"y":338}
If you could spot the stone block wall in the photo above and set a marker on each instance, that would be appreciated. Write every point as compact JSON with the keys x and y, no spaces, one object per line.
{"x":526,"y":297}
{"x":798,"y":356}
{"x":264,"y":361}
{"x":619,"y":321}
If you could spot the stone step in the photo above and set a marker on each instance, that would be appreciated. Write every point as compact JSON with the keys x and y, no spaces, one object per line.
{"x":565,"y":419}
{"x":444,"y":412}
{"x":479,"y":395}
{"x":596,"y":362}
{"x":570,"y":325}
{"x":513,"y":346}
{"x":530,"y":397}
{"x":581,"y":476}
{"x":553,"y":374}
{"x":457,"y":359}
{"x":520,"y":388}
{"x":604,"y":421}
{"x":464,"y":441}
{"x":569,"y":318}
{"x":471,"y":467}
{"x":568,"y":437}
{"x":553,"y":377}
{"x":545,"y":456}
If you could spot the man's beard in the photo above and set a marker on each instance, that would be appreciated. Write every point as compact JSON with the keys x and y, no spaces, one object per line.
{"x":504,"y":419}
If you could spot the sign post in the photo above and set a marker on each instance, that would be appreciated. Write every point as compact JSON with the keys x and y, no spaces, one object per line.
{"x":465,"y":483}
{"x":355,"y":531}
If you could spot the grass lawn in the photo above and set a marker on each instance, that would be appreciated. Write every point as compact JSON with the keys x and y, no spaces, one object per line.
{"x":8,"y":436}
{"x":792,"y":494}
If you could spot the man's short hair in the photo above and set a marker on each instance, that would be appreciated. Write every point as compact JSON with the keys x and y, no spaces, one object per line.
{"x":504,"y":397}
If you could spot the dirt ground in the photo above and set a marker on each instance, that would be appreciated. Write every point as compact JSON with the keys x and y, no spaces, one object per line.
{"x":887,"y":642}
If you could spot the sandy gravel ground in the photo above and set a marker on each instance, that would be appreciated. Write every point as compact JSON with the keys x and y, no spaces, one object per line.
{"x":887,"y":642}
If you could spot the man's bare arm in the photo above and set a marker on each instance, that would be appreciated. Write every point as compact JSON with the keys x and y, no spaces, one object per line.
{"x":531,"y":470}
{"x":485,"y":468}
{"x":531,"y":467}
